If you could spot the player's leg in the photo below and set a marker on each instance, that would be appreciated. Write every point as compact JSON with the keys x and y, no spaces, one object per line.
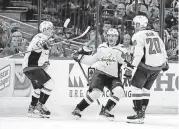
{"x":146,"y":89}
{"x":45,"y":84}
{"x":45,"y":91}
{"x":35,"y":94}
{"x":35,"y":98}
{"x":138,"y":81}
{"x":96,"y":86}
{"x":117,"y":93}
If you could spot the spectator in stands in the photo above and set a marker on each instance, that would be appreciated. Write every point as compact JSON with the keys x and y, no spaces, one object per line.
{"x":4,"y":33}
{"x":92,"y":41}
{"x":121,"y":21}
{"x":172,"y":45}
{"x":120,"y":17}
{"x":156,"y":27}
{"x":16,"y":32}
{"x":11,"y":47}
{"x":14,"y":45}
{"x":127,"y":43}
{"x":56,"y":50}
{"x":106,"y":26}
{"x":151,"y":3}
{"x":65,"y":49}
{"x":172,"y":20}
{"x":14,"y":27}
{"x":142,"y":9}
{"x":21,"y":43}
{"x":153,"y":12}
{"x":175,"y":4}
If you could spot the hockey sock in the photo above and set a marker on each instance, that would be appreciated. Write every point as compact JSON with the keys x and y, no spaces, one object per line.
{"x":137,"y":104}
{"x":110,"y":105}
{"x":43,"y":98}
{"x":145,"y":102}
{"x":82,"y":105}
{"x":34,"y":101}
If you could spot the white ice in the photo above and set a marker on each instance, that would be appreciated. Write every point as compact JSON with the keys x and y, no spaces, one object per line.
{"x":13,"y":115}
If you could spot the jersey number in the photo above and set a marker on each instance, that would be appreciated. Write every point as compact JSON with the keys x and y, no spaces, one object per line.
{"x":154,"y":45}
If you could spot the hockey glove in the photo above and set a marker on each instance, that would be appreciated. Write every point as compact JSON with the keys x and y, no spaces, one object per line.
{"x":165,"y":67}
{"x":84,"y":51}
{"x":128,"y":73}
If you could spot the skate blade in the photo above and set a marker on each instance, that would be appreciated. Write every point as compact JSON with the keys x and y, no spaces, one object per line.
{"x":137,"y":121}
{"x":45,"y":116}
{"x":34,"y":115}
{"x":38,"y":115}
{"x":101,"y":117}
{"x":76,"y":117}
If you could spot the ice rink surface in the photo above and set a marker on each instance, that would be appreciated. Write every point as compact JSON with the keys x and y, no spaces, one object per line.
{"x":13,"y":115}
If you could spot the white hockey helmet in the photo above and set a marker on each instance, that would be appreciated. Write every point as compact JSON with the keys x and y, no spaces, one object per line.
{"x":112,"y":36}
{"x":112,"y":31}
{"x":47,"y":28}
{"x":139,"y":22}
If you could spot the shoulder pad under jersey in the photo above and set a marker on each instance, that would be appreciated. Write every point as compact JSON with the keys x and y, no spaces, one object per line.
{"x":103,"y":45}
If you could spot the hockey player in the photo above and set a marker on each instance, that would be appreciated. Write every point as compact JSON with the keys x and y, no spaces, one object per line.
{"x":150,"y":58}
{"x":107,"y":60}
{"x":34,"y":65}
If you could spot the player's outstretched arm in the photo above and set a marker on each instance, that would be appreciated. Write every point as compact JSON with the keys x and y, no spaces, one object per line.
{"x":84,"y":56}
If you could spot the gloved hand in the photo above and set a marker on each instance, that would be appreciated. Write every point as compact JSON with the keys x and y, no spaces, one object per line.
{"x":84,"y":51}
{"x":128,"y":72}
{"x":165,"y":67}
{"x":78,"y":55}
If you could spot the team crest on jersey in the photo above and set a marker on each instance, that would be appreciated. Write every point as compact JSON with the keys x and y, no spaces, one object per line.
{"x":108,"y":59}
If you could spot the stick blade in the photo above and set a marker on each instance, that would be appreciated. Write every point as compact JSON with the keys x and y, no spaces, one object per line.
{"x":66,"y":23}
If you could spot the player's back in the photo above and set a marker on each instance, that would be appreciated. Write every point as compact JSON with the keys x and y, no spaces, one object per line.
{"x":153,"y":47}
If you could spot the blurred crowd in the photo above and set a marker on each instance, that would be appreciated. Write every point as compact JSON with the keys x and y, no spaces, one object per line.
{"x":113,"y":13}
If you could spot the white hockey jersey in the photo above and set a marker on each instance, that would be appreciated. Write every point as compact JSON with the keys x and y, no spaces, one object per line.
{"x":149,"y":49}
{"x":36,"y":57}
{"x":106,"y":59}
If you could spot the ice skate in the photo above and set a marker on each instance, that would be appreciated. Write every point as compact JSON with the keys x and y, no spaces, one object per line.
{"x":76,"y":113}
{"x":32,"y":112}
{"x":105,"y":114}
{"x":42,"y":111}
{"x":136,"y":119}
{"x":143,"y":109}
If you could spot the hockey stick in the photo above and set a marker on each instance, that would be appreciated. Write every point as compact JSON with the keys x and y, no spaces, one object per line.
{"x":65,"y":26}
{"x":70,"y":40}
{"x":62,"y":42}
{"x":85,"y":75}
{"x":84,"y":33}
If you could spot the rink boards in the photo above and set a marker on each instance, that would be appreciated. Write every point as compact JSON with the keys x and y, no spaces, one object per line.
{"x":71,"y":85}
